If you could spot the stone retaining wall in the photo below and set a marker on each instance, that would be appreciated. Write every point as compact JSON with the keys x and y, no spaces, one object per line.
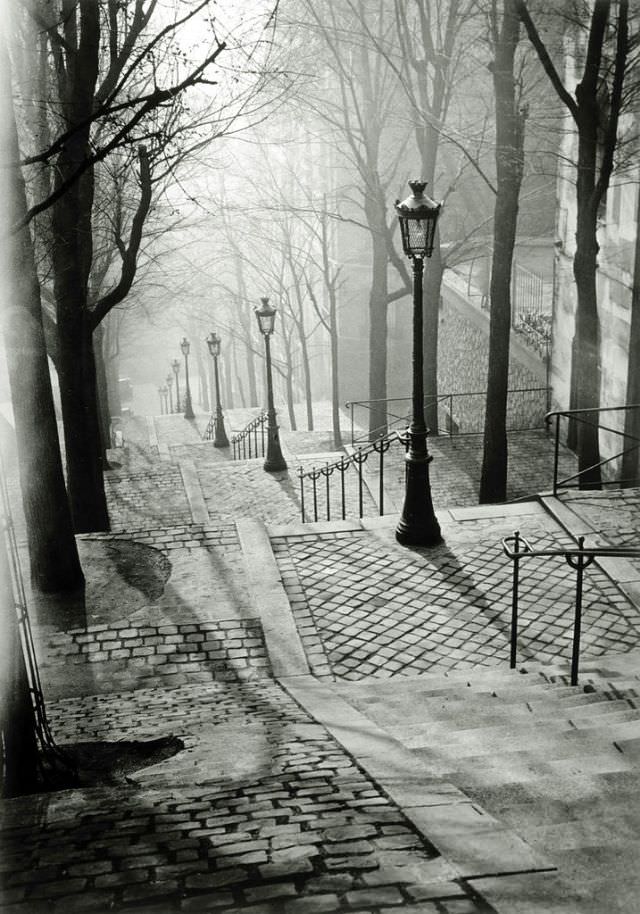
{"x":131,"y":656}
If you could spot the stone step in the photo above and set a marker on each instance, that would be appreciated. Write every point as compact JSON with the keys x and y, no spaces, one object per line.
{"x":460,"y":716}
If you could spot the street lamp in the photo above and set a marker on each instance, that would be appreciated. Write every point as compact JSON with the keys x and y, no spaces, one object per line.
{"x":176,"y":370}
{"x":163,"y":394}
{"x":220,"y":437}
{"x":274,"y":461}
{"x":188,"y":409}
{"x":418,"y":526}
{"x":162,"y":401}
{"x":169,"y":386}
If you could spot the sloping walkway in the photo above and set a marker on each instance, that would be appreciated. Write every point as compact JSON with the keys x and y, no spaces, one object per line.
{"x":290,"y":796}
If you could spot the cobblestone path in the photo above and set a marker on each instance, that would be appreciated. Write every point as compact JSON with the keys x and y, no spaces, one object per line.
{"x":281,"y":822}
{"x":366,"y":607}
{"x":614,"y":514}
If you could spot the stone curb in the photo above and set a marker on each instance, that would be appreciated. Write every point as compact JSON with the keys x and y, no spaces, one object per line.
{"x":271,"y":603}
{"x":620,"y":570}
{"x":475,"y":844}
{"x":193,"y":491}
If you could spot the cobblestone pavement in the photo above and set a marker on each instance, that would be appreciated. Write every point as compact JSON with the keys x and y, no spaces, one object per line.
{"x":614,"y":514}
{"x":366,"y":607}
{"x":281,"y":822}
{"x":454,"y":474}
{"x":263,"y":811}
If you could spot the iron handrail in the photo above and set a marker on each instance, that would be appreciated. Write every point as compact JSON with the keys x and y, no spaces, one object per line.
{"x":252,"y":434}
{"x":451,"y":428}
{"x":577,"y":415}
{"x":357,"y":459}
{"x":516,"y":548}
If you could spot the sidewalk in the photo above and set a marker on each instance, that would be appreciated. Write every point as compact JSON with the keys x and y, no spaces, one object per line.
{"x":245,"y":643}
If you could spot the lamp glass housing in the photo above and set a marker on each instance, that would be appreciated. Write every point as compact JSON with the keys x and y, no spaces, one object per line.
{"x":418,"y":217}
{"x":213,"y":342}
{"x":266,"y":317}
{"x":176,"y":366}
{"x":185,"y":346}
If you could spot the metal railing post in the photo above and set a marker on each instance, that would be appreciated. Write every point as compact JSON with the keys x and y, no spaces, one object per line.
{"x":381,"y":479}
{"x":556,"y":456}
{"x":582,"y":562}
{"x":514,"y":599}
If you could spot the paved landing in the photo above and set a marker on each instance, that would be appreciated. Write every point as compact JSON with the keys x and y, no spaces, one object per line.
{"x":366,"y":606}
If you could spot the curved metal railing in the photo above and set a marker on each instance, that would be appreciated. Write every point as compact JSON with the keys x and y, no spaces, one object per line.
{"x":578,"y":557}
{"x":251,"y":441}
{"x":337,"y":471}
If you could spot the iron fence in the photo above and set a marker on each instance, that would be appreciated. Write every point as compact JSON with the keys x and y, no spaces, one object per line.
{"x":615,"y":466}
{"x":320,"y":496}
{"x":251,"y":441}
{"x":458,"y":413}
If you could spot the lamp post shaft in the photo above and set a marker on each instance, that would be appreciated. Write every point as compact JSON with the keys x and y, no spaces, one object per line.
{"x":188,"y":409}
{"x":220,"y":437}
{"x":274,"y":460}
{"x":418,"y":524}
{"x":170,"y":399}
{"x":177,"y":393}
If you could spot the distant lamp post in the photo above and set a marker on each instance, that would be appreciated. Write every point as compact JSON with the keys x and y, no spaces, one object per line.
{"x":418,"y":526}
{"x":176,"y":370}
{"x":220,"y":437}
{"x":188,"y":409}
{"x":164,"y":391}
{"x":170,"y":392}
{"x":162,"y":400}
{"x":274,"y":460}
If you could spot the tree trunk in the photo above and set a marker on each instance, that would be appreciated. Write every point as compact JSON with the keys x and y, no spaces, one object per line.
{"x":335,"y":368}
{"x":72,"y":254}
{"x":631,"y":459}
{"x":104,"y":411}
{"x":17,"y":716}
{"x":290,"y":400}
{"x":53,"y":553}
{"x":236,"y":368}
{"x":202,"y":376}
{"x":306,"y":370}
{"x":251,"y":376}
{"x":378,"y":298}
{"x":432,"y":287}
{"x":509,"y":163}
{"x":111,"y":355}
{"x":587,"y":346}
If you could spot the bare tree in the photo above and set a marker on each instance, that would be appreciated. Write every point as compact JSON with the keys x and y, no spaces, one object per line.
{"x":595,"y":110}
{"x":510,"y":123}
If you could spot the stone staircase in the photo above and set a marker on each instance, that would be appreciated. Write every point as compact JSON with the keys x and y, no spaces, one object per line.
{"x":558,"y":765}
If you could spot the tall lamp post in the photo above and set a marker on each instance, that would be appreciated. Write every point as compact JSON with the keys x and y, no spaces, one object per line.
{"x":163,"y":393}
{"x":162,"y":400}
{"x":169,"y":386}
{"x":418,"y":526}
{"x":176,"y":370}
{"x":188,"y":409}
{"x":274,"y":460}
{"x":220,"y":437}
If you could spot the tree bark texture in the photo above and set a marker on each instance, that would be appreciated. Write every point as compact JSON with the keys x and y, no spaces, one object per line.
{"x":509,"y":166}
{"x":72,"y":255}
{"x":631,"y":460}
{"x":53,"y":554}
{"x":378,"y":306}
{"x":17,"y":716}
